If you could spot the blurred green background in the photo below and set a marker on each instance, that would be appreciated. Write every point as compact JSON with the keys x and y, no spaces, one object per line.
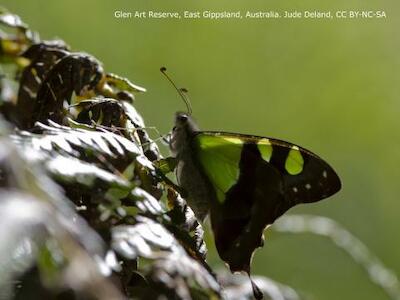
{"x":329,"y":85}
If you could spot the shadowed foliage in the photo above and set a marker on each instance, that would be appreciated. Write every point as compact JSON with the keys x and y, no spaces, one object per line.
{"x":85,"y":211}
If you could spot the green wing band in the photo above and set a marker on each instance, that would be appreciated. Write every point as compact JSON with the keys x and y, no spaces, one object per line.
{"x":294,"y":161}
{"x":219,"y":157}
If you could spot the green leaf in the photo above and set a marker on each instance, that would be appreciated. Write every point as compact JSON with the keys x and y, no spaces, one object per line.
{"x":166,"y":165}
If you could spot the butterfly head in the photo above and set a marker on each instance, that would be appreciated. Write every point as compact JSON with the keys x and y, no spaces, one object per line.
{"x":184,"y":129}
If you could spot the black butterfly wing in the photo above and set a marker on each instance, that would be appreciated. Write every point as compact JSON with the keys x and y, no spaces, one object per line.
{"x":256,"y":180}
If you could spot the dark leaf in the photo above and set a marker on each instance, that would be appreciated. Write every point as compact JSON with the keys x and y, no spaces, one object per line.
{"x":186,"y":228}
{"x":75,"y":73}
{"x":42,"y":57}
{"x":119,"y":117}
{"x":102,"y":111}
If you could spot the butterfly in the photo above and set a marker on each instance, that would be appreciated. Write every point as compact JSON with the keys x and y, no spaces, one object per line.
{"x":244,"y":182}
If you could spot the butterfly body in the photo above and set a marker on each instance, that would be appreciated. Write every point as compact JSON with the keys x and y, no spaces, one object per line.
{"x":188,"y":172}
{"x":245,"y":183}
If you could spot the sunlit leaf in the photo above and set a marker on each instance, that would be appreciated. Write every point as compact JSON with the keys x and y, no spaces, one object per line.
{"x":172,"y":272}
{"x":70,"y":169}
{"x":66,"y":139}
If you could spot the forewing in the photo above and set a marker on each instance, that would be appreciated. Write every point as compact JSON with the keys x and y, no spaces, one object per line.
{"x":306,"y":177}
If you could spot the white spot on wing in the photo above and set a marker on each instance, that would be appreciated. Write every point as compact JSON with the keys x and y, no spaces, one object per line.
{"x":308,"y":186}
{"x":295,"y":189}
{"x":325,"y":174}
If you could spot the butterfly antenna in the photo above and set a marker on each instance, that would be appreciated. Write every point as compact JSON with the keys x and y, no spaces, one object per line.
{"x":185,"y":93}
{"x":182,"y":91}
